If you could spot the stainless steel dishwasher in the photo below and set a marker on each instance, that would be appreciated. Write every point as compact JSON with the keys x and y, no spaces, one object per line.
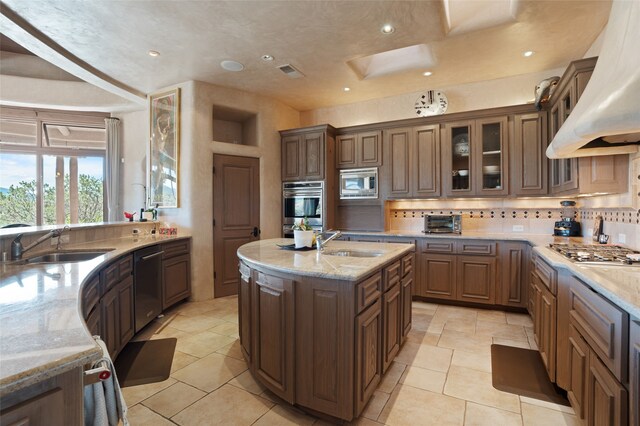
{"x":147,"y":273}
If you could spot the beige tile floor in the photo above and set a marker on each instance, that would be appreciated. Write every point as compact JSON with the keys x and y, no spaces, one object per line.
{"x":442,"y":375}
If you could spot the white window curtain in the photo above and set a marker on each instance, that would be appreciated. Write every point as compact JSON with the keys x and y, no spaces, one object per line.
{"x":112,"y":175}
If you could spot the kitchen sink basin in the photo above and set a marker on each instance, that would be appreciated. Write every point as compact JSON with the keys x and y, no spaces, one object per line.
{"x":353,"y":253}
{"x":65,"y":256}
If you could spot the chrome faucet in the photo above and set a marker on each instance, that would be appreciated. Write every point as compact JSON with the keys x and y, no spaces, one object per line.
{"x":17,"y":250}
{"x":321,"y":242}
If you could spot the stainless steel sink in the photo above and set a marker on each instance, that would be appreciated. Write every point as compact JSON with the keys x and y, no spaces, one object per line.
{"x":65,"y":256}
{"x":353,"y":253}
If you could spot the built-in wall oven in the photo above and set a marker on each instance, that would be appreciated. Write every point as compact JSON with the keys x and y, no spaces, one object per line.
{"x":302,"y":200}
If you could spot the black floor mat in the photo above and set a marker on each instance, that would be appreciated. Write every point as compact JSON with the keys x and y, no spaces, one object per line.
{"x":145,"y":362}
{"x":521,"y":371}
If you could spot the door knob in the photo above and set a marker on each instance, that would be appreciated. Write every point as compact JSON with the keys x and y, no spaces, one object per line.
{"x":255,"y":231}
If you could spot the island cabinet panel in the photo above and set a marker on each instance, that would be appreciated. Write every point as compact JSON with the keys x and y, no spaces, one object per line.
{"x":325,"y":345}
{"x":514,"y":275}
{"x":391,"y":311}
{"x":368,"y":364}
{"x":368,"y":291}
{"x":476,"y":279}
{"x":438,"y":276}
{"x":273,"y":340}
{"x":244,"y":309}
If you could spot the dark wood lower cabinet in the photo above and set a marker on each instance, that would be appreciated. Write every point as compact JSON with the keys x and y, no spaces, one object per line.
{"x":634,"y":373}
{"x":476,"y":279}
{"x":546,"y":317}
{"x":126,"y":320}
{"x":406,"y":292}
{"x":93,"y":321}
{"x":110,"y":319}
{"x":368,"y":361}
{"x":514,"y":275}
{"x":244,"y":309}
{"x":391,"y":309}
{"x":273,"y":339}
{"x":176,"y":276}
{"x":606,"y":397}
{"x":578,"y":366}
{"x":438,"y":276}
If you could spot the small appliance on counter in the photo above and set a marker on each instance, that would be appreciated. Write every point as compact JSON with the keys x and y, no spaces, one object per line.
{"x":443,"y":224}
{"x":568,"y":226}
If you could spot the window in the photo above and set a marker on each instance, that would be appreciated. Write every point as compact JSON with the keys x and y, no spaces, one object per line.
{"x":52,"y":168}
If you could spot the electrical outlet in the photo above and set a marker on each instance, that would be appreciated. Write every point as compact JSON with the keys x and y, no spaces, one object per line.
{"x":622,"y":238}
{"x":518,"y":228}
{"x":589,"y":231}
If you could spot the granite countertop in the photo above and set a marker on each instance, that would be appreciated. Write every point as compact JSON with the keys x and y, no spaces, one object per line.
{"x":42,"y":332}
{"x":267,"y":254}
{"x":618,"y":283}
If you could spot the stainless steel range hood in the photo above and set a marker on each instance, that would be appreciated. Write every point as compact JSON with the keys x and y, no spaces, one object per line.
{"x":606,"y":119}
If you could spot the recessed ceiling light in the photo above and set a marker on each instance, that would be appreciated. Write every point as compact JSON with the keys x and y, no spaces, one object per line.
{"x":528,"y":53}
{"x":346,"y":89}
{"x":387,"y":29}
{"x":427,"y":73}
{"x":154,"y":53}
{"x":232,"y":65}
{"x":267,"y":58}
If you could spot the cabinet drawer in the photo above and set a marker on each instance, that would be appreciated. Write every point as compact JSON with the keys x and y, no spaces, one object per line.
{"x":90,"y":295}
{"x":547,"y":274}
{"x":391,"y":276}
{"x":367,"y":292}
{"x":476,"y":247}
{"x":110,"y":277}
{"x":175,"y":248}
{"x":604,"y":326}
{"x":407,"y":265}
{"x":438,"y":246}
{"x":125,"y":267}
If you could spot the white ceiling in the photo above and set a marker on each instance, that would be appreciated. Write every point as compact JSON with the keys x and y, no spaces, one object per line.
{"x":317,"y":37}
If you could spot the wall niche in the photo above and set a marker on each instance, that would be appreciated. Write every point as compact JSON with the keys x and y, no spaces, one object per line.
{"x":234,"y":126}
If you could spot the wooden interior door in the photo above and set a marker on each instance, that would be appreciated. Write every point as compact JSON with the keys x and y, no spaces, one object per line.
{"x":236,"y":216}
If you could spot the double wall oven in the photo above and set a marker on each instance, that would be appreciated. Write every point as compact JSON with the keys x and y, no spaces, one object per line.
{"x":302,"y":200}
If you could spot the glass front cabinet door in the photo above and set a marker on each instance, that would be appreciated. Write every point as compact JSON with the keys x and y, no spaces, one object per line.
{"x":476,"y":158}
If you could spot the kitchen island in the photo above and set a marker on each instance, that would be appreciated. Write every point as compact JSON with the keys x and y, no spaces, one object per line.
{"x":320,"y":329}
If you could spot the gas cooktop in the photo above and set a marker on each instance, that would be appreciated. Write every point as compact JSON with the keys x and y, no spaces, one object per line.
{"x":595,"y":254}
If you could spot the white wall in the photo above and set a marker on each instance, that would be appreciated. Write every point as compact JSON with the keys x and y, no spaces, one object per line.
{"x":194,"y":214}
{"x":134,"y":131}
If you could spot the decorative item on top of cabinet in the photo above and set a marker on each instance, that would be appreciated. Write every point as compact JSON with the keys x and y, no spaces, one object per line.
{"x":475,"y":157}
{"x":176,"y":272}
{"x":411,"y":162}
{"x":359,"y":150}
{"x":307,"y":153}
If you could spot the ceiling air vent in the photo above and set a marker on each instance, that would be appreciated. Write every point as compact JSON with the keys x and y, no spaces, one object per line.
{"x":290,"y":71}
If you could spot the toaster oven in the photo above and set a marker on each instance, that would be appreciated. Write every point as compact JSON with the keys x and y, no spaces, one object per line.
{"x":443,"y":224}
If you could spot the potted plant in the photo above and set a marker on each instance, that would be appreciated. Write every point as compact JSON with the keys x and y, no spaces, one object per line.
{"x":303,"y":233}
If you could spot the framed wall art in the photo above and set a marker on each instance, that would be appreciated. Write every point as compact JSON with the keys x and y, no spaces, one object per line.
{"x":164,"y":149}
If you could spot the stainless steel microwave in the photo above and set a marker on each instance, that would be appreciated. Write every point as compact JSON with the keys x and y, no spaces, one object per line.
{"x":359,"y":183}
{"x":443,"y":224}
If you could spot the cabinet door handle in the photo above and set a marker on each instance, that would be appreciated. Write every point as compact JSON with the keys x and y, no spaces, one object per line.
{"x":255,"y":231}
{"x":152,"y":255}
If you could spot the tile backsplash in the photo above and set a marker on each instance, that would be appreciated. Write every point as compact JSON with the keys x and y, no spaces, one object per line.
{"x":622,"y":224}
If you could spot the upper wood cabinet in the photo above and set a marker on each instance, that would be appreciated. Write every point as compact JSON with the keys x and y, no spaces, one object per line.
{"x":475,"y":157}
{"x":528,"y":158}
{"x":412,"y":162}
{"x":359,"y":150}
{"x":604,"y":174}
{"x":305,"y":153}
